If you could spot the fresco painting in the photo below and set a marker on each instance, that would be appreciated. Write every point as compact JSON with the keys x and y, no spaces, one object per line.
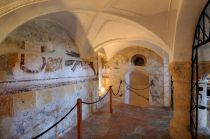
{"x":40,"y":62}
{"x":7,"y":62}
{"x":27,"y":70}
{"x":72,"y":54}
{"x":75,"y":64}
{"x":53,"y":64}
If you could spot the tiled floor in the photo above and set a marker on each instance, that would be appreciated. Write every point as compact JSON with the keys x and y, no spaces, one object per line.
{"x":126,"y":122}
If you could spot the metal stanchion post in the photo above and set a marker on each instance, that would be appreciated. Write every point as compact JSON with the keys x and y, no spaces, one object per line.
{"x":79,"y":118}
{"x":110,"y":100}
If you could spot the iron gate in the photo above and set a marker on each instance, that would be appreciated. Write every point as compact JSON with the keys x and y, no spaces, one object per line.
{"x":201,"y":37}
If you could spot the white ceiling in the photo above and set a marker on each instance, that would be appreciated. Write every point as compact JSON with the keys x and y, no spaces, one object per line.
{"x":142,"y":7}
{"x":100,"y":23}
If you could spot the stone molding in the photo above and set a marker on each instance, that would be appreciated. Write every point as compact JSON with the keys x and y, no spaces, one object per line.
{"x":11,"y":5}
{"x":180,"y":71}
{"x":8,"y":87}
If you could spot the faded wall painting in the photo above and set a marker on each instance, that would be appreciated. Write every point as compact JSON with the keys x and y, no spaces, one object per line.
{"x":40,"y":54}
{"x":41,"y":77}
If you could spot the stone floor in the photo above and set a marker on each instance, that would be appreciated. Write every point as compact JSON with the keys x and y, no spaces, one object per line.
{"x":126,"y":122}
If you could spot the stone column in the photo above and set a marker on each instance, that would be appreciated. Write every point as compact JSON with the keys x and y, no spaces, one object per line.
{"x":167,"y":83}
{"x":180,"y":123}
{"x":100,"y":71}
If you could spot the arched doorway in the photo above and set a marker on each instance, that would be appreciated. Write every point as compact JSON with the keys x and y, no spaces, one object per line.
{"x":137,"y":87}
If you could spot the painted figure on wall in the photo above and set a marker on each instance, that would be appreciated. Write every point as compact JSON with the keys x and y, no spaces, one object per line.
{"x":53,"y":64}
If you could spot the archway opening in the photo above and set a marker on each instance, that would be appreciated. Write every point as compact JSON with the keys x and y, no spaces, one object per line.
{"x":138,"y":89}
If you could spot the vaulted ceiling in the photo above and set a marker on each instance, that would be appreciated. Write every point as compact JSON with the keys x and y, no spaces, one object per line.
{"x":111,"y":25}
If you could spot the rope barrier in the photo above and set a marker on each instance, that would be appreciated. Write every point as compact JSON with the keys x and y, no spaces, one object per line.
{"x":139,"y":89}
{"x":55,"y":123}
{"x":68,"y":114}
{"x":89,"y":103}
{"x":139,"y":95}
{"x":97,"y":100}
{"x":118,"y":89}
{"x":130,"y":87}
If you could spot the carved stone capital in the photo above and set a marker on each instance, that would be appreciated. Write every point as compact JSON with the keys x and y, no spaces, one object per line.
{"x":180,"y":71}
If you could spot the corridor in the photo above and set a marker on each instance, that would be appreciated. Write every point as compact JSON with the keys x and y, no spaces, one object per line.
{"x":126,"y":122}
{"x":148,"y":56}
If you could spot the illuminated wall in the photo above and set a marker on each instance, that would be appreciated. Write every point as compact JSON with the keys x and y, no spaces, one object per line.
{"x":41,"y":77}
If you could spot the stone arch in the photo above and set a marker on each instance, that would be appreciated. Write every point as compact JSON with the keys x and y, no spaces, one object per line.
{"x":187,"y":18}
{"x":137,"y":33}
{"x":119,"y":46}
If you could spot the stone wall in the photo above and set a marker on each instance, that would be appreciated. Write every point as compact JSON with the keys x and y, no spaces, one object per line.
{"x":41,"y":77}
{"x":25,"y":115}
{"x":121,"y":64}
{"x":181,"y":74}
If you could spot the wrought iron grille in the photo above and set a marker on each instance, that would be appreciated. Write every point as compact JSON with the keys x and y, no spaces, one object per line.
{"x":201,"y":37}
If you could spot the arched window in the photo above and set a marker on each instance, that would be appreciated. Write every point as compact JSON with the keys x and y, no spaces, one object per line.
{"x":138,"y":60}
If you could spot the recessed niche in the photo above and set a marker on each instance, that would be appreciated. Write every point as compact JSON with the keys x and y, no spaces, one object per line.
{"x":138,"y":60}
